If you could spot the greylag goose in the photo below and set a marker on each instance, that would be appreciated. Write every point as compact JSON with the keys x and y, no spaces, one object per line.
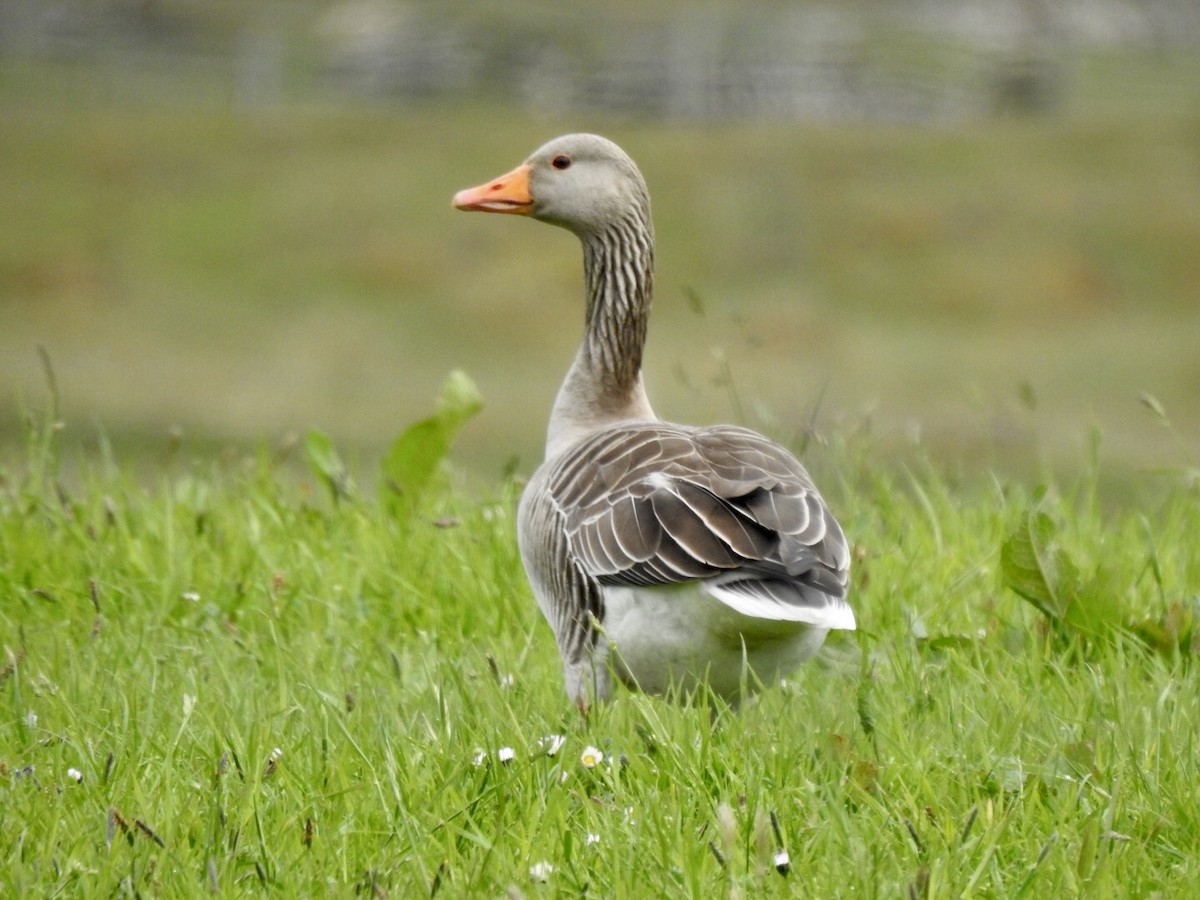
{"x":668,"y":555}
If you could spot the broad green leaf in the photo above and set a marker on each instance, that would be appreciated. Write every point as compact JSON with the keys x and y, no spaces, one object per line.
{"x":1096,"y":606}
{"x":417,"y":453}
{"x":1034,"y":565}
{"x":459,"y":399}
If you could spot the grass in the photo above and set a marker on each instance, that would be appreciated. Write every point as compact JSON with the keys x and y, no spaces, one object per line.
{"x":238,"y":681}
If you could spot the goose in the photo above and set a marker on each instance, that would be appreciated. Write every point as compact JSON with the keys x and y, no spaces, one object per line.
{"x":668,"y":556}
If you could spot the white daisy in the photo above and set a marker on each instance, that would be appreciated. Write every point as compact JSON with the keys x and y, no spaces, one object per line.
{"x":552,"y":743}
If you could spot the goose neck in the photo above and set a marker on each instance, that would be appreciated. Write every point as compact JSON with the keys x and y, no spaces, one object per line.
{"x":618,"y":269}
{"x":604,"y":385}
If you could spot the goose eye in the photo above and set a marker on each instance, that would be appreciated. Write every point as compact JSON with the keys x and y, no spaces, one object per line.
{"x":561,"y":162}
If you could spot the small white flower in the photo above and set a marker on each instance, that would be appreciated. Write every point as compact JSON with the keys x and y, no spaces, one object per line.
{"x":591,"y":838}
{"x":191,"y":595}
{"x":189,"y":703}
{"x":276,"y":754}
{"x":505,"y":754}
{"x":552,"y":743}
{"x":541,"y":871}
{"x":591,"y":757}
{"x":75,"y":775}
{"x":783,"y":862}
{"x":563,"y":776}
{"x":507,"y":681}
{"x":31,"y":719}
{"x":480,"y":757}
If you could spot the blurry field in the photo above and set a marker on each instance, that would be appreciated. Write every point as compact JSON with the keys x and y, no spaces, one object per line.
{"x":995,"y":290}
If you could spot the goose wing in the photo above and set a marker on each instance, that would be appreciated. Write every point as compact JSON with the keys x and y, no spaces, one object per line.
{"x":653,"y":504}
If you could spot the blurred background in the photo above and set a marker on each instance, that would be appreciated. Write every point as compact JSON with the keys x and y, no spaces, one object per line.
{"x":972,"y":226}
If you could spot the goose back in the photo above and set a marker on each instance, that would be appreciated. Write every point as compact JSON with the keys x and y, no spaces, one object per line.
{"x":651,"y":505}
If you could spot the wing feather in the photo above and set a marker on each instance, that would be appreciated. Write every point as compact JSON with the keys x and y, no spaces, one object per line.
{"x":693,"y":517}
{"x":655,"y":504}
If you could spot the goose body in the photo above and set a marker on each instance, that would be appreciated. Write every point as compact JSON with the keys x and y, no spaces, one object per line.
{"x":667,"y":555}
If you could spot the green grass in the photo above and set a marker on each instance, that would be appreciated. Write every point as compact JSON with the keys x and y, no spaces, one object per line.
{"x":269,"y":688}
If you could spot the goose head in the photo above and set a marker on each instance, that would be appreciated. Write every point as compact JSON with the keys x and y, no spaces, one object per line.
{"x":582,"y":182}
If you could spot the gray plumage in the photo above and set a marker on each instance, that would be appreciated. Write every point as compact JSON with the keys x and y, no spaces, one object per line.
{"x":666,"y":554}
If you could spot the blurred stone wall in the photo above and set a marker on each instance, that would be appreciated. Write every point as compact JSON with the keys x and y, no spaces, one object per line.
{"x":925,"y":60}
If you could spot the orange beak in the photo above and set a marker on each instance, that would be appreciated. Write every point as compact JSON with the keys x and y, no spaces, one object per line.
{"x":506,"y":194}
